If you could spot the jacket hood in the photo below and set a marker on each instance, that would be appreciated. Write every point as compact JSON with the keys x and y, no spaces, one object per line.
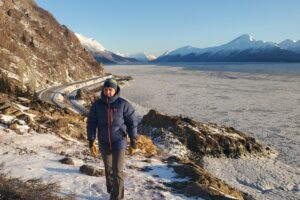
{"x":112,"y":99}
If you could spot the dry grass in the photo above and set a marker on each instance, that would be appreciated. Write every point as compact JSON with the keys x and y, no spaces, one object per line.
{"x":13,"y":188}
{"x":34,"y":189}
{"x":146,"y":146}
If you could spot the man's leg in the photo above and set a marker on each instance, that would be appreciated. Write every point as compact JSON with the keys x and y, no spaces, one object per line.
{"x":118,"y":158}
{"x":107,"y":159}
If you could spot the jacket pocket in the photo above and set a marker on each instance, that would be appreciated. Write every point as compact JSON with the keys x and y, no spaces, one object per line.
{"x":123,"y":132}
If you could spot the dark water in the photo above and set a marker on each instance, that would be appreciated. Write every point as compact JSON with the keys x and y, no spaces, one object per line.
{"x":260,"y":68}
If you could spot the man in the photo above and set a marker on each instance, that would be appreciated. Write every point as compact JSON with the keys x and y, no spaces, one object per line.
{"x":114,"y":117}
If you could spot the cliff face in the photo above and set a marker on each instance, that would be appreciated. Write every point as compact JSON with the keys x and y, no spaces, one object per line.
{"x":36,"y":51}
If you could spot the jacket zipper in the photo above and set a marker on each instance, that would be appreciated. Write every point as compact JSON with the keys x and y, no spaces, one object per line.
{"x":108,"y":119}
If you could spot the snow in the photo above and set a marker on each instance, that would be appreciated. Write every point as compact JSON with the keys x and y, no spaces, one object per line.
{"x":22,"y":128}
{"x":40,"y":153}
{"x":89,"y":43}
{"x":169,"y":144}
{"x":10,"y":74}
{"x":264,"y":105}
{"x":21,"y":107}
{"x":121,"y":54}
{"x":144,"y":57}
{"x":7,"y":118}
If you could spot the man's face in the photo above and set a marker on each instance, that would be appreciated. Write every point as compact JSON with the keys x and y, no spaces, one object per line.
{"x":109,"y":92}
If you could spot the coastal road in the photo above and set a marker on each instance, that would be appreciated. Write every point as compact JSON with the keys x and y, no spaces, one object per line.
{"x":63,"y":96}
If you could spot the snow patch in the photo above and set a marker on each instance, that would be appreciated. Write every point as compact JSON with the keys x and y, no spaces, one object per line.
{"x":7,"y":118}
{"x":21,"y":107}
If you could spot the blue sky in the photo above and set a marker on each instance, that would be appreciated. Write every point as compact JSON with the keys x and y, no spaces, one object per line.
{"x":154,"y":26}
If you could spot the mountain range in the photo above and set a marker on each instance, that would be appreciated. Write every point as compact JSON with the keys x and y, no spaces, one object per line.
{"x":242,"y":49}
{"x":108,"y":57}
{"x":100,"y":53}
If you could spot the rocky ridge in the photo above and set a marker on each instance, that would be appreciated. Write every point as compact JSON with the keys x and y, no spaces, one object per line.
{"x":200,"y":139}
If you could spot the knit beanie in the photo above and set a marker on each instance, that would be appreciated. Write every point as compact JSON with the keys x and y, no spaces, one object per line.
{"x":112,"y":83}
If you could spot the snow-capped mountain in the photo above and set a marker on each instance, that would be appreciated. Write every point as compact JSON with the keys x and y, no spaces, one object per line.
{"x":243,"y":48}
{"x":143,"y":57}
{"x":100,"y":53}
{"x":290,"y":45}
{"x":90,"y":43}
{"x":241,"y":43}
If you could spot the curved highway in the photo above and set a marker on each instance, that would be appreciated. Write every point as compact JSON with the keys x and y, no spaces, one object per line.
{"x":64,"y":95}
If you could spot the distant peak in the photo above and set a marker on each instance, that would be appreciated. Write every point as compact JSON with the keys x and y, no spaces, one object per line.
{"x":188,"y":47}
{"x":245,"y":37}
{"x":288,"y":41}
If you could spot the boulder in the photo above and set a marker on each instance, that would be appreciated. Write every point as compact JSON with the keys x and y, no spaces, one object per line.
{"x":91,"y":171}
{"x":67,"y":161}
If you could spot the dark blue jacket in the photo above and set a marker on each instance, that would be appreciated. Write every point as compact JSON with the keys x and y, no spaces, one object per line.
{"x":114,"y":118}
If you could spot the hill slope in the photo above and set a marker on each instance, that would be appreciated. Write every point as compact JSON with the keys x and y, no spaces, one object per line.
{"x":36,"y":51}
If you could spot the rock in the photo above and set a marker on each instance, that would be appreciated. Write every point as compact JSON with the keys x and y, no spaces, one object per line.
{"x":146,"y":169}
{"x":141,"y":169}
{"x":25,"y":118}
{"x":147,"y":160}
{"x":62,"y":122}
{"x":201,"y":183}
{"x":24,"y":100}
{"x":67,"y":161}
{"x":14,"y":126}
{"x":25,"y":151}
{"x":91,"y":171}
{"x":201,"y":138}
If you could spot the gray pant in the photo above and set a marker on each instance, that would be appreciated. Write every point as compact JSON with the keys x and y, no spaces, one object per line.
{"x":113,"y":163}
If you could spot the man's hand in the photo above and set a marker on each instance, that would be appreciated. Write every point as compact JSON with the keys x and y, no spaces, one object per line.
{"x":93,"y":148}
{"x":133,"y":147}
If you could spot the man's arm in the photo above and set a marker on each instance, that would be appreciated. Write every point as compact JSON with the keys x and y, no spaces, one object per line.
{"x":92,"y":123}
{"x":131,"y":122}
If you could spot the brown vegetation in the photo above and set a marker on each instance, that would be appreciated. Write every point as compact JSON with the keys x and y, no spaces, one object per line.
{"x":33,"y":189}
